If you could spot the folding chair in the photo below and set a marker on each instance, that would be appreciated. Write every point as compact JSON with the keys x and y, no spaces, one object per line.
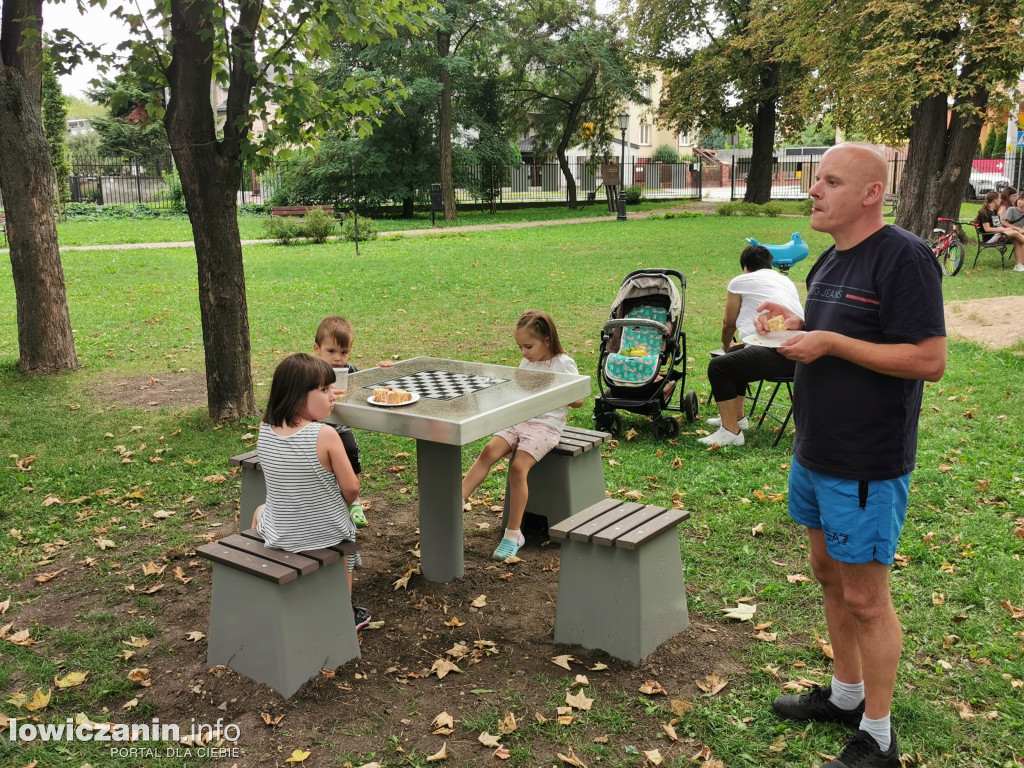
{"x":1000,"y":244}
{"x":778,"y":382}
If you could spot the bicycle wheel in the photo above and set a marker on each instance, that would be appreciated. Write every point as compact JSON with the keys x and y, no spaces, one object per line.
{"x":951,"y":258}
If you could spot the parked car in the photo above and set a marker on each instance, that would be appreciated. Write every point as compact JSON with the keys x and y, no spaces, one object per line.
{"x":982,"y":182}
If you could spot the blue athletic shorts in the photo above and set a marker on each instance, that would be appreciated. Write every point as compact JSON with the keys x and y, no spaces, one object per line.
{"x":853,"y":533}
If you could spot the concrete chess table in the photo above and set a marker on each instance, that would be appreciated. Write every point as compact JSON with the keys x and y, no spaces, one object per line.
{"x":497,"y":397}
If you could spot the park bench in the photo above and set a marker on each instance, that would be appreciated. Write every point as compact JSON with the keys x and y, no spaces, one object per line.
{"x":299,"y":210}
{"x":620,"y":581}
{"x":568,"y":479}
{"x":279,"y":617}
{"x":254,"y":487}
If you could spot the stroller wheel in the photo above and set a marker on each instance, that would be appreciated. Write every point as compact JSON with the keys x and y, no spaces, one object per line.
{"x":608,"y":422}
{"x":665,"y":427}
{"x":690,"y":407}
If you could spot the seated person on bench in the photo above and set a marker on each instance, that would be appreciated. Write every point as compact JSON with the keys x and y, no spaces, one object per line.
{"x":310,"y":481}
{"x":730,"y":373}
{"x":993,"y":230}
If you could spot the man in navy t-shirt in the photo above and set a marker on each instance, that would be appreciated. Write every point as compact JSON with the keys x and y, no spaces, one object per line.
{"x":876,"y":333}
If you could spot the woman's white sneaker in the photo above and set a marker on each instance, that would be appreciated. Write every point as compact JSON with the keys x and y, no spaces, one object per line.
{"x":716,"y":421}
{"x":723,"y":437}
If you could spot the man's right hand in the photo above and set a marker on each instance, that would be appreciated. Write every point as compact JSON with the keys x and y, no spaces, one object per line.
{"x":769,"y":309}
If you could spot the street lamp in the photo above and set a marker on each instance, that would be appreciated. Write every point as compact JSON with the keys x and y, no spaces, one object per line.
{"x":623,"y":126}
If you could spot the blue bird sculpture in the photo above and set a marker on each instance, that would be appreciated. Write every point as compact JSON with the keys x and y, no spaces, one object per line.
{"x":785,"y":255}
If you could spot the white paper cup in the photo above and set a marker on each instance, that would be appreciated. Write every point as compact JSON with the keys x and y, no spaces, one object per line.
{"x":341,"y":380}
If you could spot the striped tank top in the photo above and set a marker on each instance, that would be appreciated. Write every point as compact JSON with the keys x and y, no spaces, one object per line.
{"x":304,"y":508}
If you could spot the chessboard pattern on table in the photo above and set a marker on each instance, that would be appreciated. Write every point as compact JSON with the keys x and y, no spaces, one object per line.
{"x":440,"y":385}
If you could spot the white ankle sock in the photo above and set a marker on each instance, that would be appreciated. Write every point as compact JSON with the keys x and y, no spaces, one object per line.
{"x":516,"y":536}
{"x":846,"y":695}
{"x":880,"y":730}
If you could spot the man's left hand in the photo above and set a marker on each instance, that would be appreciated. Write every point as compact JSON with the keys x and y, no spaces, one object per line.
{"x":807,"y":347}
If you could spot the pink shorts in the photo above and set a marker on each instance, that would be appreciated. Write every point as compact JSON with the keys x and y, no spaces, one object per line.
{"x":531,"y":436}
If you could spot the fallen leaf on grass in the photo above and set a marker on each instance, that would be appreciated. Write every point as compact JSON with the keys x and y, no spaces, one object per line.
{"x":441,"y":754}
{"x":136,"y":642}
{"x":140,"y":676}
{"x":598,"y":667}
{"x":579,"y":701}
{"x":502,"y":753}
{"x":71,"y":679}
{"x":42,"y":578}
{"x":403,"y":582}
{"x":902,"y":561}
{"x":130,"y":704}
{"x":5,"y":606}
{"x":271,"y":721}
{"x":298,"y":756}
{"x":778,"y":746}
{"x":796,"y":578}
{"x":826,"y":648}
{"x":757,"y":529}
{"x":507,"y":724}
{"x":653,"y":756}
{"x":563,"y":661}
{"x":712,"y":684}
{"x":39,"y":700}
{"x":938,"y":598}
{"x":581,"y":680}
{"x":163,"y":514}
{"x":964,"y":709}
{"x":488,"y":740}
{"x":151,"y":568}
{"x":21,"y":638}
{"x":669,"y":731}
{"x":1015,"y":613}
{"x":194,"y":636}
{"x":742,"y":612}
{"x":442,"y":667}
{"x":571,"y":759}
{"x":104,"y":543}
{"x":766,"y":637}
{"x":680,"y":707}
{"x":443,"y":720}
{"x":651,"y":687}
{"x":454,"y":622}
{"x":479,"y":602}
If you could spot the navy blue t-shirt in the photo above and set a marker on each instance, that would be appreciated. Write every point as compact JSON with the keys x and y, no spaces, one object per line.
{"x":851,"y":422}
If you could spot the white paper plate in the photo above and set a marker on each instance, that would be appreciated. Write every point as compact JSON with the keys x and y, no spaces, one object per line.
{"x":772,"y":339}
{"x":415,"y":397}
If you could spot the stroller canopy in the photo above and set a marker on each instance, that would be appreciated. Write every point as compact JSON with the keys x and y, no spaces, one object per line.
{"x":649,"y":284}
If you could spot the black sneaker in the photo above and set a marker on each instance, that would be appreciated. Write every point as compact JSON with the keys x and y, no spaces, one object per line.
{"x":816,"y":706}
{"x":361,"y":616}
{"x":862,"y":751}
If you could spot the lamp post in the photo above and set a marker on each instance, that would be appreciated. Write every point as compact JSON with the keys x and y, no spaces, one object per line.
{"x":623,"y":126}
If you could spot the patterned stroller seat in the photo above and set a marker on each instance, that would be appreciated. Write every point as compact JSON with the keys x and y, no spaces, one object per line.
{"x":640,"y":367}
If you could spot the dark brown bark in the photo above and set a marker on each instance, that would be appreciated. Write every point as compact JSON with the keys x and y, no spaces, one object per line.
{"x":210,"y":174}
{"x":762,"y":158}
{"x":938,"y":165}
{"x":572,"y":121}
{"x":45,"y":342}
{"x":444,"y":120}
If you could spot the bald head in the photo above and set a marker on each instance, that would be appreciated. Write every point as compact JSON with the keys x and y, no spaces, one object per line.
{"x":848,"y":193}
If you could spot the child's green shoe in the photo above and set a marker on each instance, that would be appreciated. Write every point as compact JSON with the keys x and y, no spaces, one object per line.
{"x":356,"y":513}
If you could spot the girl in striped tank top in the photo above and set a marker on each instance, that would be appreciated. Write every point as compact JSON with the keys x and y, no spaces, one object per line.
{"x":310,"y":481}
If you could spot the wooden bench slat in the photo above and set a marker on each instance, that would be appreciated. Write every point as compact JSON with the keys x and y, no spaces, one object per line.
{"x":346,"y":548}
{"x":322,"y":556}
{"x":586,"y":531}
{"x":243,"y":561}
{"x":302,"y":564}
{"x":567,"y":448}
{"x":653,"y":527}
{"x":621,"y":527}
{"x":561,"y":530}
{"x":602,"y":437}
{"x":248,"y":460}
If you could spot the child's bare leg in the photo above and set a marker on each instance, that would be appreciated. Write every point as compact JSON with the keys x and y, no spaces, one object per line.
{"x":495,"y":449}
{"x":518,"y":489}
{"x":256,"y":514}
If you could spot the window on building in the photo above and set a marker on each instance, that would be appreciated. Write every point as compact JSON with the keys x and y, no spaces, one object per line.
{"x":685,"y":140}
{"x":645,"y":134}
{"x":645,"y":90}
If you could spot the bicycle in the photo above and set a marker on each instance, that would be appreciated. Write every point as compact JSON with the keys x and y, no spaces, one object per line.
{"x":949,"y":247}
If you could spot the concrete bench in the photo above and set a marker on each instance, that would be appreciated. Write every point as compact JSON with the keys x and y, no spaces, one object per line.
{"x":299,"y":210}
{"x":254,"y":487}
{"x":620,"y":582}
{"x":279,"y":617}
{"x":567,"y":480}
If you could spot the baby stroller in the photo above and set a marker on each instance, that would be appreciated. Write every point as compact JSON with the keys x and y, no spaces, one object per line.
{"x":643,"y":353}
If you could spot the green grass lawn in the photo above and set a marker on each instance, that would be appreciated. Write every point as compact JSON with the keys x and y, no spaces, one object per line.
{"x":136,"y":312}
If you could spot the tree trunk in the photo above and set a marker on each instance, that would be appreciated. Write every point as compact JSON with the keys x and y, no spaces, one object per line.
{"x":210,"y":174}
{"x":939,"y":157}
{"x":45,"y":342}
{"x":572,"y":124}
{"x":407,"y":207}
{"x":762,"y":158}
{"x":444,"y":119}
